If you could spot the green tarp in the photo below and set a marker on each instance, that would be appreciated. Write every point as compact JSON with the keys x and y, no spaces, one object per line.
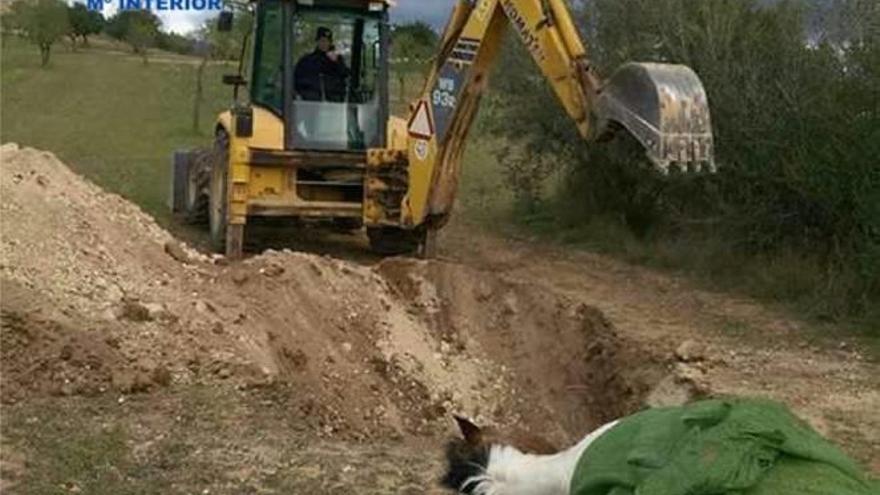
{"x":717,"y":447}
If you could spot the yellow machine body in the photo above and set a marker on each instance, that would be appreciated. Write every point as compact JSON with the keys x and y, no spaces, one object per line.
{"x":409,"y":184}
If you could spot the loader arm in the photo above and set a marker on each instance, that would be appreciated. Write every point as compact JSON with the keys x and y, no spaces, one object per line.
{"x":663,"y":106}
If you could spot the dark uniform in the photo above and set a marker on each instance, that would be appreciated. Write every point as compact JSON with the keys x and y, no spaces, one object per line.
{"x":317,"y":77}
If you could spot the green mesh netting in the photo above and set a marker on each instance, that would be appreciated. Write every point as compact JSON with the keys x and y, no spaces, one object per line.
{"x":717,"y":447}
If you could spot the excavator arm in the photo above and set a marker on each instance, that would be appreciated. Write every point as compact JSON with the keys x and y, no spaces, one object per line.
{"x":663,"y":106}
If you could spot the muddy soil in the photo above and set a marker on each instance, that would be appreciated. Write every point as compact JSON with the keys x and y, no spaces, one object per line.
{"x":298,"y":371}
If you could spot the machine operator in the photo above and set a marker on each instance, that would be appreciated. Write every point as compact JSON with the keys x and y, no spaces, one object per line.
{"x":322,"y":74}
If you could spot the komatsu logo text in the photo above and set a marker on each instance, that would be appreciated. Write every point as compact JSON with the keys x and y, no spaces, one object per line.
{"x":525,"y":32}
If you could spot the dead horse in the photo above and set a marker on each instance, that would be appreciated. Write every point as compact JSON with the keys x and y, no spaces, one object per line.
{"x":712,"y":447}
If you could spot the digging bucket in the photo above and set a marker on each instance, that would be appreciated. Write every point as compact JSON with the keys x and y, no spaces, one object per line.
{"x":665,"y":107}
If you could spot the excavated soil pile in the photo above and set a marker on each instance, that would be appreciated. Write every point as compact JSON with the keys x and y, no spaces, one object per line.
{"x":97,"y":298}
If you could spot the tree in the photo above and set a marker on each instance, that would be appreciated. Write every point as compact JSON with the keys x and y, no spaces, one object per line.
{"x":43,"y":22}
{"x":138,"y":28}
{"x":227,"y":45}
{"x":9,"y":22}
{"x":413,"y":46}
{"x":84,"y":22}
{"x":421,"y":33}
{"x":176,"y":43}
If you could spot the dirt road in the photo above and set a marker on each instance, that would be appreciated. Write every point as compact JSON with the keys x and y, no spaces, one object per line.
{"x":133,"y":363}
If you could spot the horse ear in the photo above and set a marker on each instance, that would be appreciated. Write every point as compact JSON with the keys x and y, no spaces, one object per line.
{"x":472,"y":433}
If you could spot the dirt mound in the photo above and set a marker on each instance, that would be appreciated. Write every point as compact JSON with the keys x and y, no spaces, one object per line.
{"x":88,"y":270}
{"x":97,"y":298}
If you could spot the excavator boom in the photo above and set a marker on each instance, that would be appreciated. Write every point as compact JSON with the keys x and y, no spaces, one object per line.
{"x":663,"y":106}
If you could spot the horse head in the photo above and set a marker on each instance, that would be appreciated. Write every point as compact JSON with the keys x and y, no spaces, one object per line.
{"x":478,"y":462}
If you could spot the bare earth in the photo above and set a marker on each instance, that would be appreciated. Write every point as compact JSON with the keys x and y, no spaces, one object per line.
{"x":132,"y":363}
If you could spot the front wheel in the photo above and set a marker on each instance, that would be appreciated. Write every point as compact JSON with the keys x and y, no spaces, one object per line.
{"x":198,"y":186}
{"x":218,"y":211}
{"x":393,"y":241}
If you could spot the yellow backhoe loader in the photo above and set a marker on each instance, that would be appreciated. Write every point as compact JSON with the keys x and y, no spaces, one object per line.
{"x":310,"y":144}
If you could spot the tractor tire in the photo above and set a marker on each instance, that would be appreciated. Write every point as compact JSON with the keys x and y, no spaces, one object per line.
{"x":218,"y":195}
{"x":198,"y":187}
{"x":393,"y":241}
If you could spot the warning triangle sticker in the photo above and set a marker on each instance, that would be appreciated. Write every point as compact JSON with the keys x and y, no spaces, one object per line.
{"x":420,"y":124}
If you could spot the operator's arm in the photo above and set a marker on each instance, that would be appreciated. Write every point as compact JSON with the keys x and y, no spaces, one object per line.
{"x":341,"y":69}
{"x":337,"y":66}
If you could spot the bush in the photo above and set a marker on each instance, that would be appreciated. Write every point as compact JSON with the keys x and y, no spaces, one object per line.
{"x":175,"y":43}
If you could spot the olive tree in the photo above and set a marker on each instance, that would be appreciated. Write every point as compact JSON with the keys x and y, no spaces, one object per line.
{"x":43,"y":22}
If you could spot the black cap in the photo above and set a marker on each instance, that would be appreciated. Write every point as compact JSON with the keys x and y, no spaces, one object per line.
{"x":324,"y":32}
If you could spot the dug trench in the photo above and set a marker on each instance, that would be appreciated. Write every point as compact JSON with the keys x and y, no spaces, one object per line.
{"x":131,"y":361}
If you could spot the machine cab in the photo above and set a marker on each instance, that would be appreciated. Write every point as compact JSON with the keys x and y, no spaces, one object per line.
{"x":321,"y":66}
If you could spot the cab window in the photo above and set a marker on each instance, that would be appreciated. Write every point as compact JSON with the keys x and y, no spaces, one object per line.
{"x":336,"y":97}
{"x":268,"y":75}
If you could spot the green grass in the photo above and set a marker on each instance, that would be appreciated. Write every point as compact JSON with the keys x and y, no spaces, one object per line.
{"x":75,"y":457}
{"x":106,"y":114}
{"x":99,"y":446}
{"x":483,"y":196}
{"x":192,"y":440}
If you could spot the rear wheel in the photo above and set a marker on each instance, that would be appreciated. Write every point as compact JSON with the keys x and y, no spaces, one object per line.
{"x":218,"y":200}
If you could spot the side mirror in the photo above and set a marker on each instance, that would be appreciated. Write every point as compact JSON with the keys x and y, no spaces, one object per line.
{"x":224,"y":22}
{"x":234,"y":80}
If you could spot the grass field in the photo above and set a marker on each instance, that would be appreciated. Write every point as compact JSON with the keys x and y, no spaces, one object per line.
{"x":112,"y":118}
